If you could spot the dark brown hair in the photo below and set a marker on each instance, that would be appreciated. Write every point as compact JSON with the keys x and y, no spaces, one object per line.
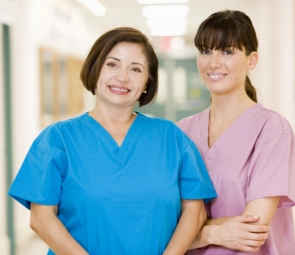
{"x":102,"y":47}
{"x":229,"y":29}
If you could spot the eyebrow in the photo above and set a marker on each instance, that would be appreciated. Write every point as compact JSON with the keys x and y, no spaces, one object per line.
{"x":133,"y":63}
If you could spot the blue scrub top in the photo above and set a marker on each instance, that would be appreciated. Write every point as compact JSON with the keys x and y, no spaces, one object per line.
{"x":114,"y":200}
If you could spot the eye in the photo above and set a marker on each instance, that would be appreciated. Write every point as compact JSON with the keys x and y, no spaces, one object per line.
{"x":111,"y":64}
{"x":205,"y":52}
{"x":136,"y":69}
{"x":228,"y":51}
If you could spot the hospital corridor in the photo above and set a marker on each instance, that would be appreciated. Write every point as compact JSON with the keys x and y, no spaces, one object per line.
{"x":44,"y":43}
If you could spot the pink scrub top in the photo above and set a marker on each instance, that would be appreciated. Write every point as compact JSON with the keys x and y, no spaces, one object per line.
{"x":253,"y":158}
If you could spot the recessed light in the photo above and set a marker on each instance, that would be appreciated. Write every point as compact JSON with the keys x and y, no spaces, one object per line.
{"x":162,"y":1}
{"x":94,"y":6}
{"x":165,"y":11}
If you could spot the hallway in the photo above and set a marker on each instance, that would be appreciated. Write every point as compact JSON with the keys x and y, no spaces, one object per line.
{"x":35,"y":246}
{"x":47,"y":42}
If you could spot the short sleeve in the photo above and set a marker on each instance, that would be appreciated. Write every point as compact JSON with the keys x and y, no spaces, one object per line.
{"x":40,"y":176}
{"x":194,"y":181}
{"x":272,"y":170}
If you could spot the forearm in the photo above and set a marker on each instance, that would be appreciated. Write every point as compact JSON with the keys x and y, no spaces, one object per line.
{"x":206,"y":234}
{"x":245,"y":233}
{"x":51,"y":230}
{"x":190,"y":222}
{"x":264,"y":207}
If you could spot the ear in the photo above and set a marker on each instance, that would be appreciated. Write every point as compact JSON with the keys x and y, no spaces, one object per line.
{"x":253,"y":60}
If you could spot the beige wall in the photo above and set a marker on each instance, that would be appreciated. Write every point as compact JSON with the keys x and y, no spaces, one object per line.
{"x":32,"y":25}
{"x":274,"y":76}
{"x":4,"y":241}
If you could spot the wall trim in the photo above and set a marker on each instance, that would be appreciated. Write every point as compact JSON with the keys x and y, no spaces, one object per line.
{"x":4,"y":245}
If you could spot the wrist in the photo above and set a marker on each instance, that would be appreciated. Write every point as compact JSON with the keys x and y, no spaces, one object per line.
{"x":211,"y":231}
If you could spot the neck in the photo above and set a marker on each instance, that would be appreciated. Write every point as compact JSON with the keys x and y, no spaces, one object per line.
{"x":229,"y":107}
{"x":113,"y":115}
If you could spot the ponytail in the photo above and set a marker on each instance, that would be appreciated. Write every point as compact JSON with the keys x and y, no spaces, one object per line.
{"x":250,"y":90}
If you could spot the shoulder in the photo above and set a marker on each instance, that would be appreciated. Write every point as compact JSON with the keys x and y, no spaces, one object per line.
{"x":53,"y":135}
{"x":193,"y":120}
{"x":156,"y":122}
{"x":165,"y":128}
{"x":271,"y":124}
{"x":60,"y":126}
{"x":273,"y":121}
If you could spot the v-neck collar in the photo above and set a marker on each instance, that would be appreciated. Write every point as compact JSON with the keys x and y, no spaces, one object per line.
{"x":120,"y":153}
{"x":211,"y":153}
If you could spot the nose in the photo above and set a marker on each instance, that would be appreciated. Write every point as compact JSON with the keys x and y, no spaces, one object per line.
{"x":215,"y":60}
{"x":122,"y":75}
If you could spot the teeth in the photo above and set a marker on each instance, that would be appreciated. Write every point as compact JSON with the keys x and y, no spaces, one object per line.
{"x":119,"y":89}
{"x":215,"y":76}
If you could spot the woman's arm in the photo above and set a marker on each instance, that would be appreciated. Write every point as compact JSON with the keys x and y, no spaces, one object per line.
{"x":245,"y":232}
{"x":191,"y":220}
{"x":50,"y":229}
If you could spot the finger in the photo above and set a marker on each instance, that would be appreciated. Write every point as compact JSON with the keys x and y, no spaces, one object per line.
{"x":252,"y":242}
{"x":257,"y":237}
{"x":246,"y":237}
{"x":256,"y":228}
{"x":248,"y":218}
{"x":250,"y":248}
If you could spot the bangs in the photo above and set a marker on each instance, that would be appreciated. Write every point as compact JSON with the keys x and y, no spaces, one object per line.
{"x":218,"y":35}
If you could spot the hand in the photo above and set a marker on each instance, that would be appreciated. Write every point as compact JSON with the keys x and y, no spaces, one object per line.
{"x":238,"y":233}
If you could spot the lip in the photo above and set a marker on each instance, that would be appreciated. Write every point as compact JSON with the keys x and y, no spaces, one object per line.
{"x":121,"y":90}
{"x":216,"y":76}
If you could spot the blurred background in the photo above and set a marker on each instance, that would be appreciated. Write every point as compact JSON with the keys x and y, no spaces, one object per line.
{"x":43,"y":44}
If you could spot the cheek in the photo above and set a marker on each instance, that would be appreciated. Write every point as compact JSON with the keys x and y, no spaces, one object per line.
{"x":237,"y":64}
{"x":142,"y":81}
{"x":202,"y":68}
{"x":201,"y":63}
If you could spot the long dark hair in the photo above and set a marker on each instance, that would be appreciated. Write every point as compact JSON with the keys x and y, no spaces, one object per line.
{"x":229,"y":29}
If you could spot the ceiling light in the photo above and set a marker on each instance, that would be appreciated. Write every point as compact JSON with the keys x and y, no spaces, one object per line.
{"x":94,"y":6}
{"x":167,"y":31}
{"x":176,"y":23}
{"x":167,"y":27}
{"x":165,"y":11}
{"x":162,"y":1}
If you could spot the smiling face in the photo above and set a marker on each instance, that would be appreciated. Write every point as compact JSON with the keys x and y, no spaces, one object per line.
{"x":123,"y":76}
{"x":224,"y":71}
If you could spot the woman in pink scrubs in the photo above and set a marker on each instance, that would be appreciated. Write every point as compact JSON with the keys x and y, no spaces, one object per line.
{"x":249,"y":150}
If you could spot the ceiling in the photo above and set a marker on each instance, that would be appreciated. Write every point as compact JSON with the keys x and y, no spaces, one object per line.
{"x":129,"y":13}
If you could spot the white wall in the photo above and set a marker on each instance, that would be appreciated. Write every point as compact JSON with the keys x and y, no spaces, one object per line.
{"x":4,"y":241}
{"x":274,"y":76}
{"x":5,"y":18}
{"x":38,"y":23}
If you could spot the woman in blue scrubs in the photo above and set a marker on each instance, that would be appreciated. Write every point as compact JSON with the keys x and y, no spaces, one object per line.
{"x":114,"y":181}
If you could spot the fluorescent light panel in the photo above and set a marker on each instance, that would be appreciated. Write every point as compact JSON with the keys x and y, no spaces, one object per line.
{"x":165,"y":11}
{"x":179,"y":22}
{"x":94,"y":6}
{"x":162,"y":1}
{"x":163,"y":21}
{"x":168,"y":30}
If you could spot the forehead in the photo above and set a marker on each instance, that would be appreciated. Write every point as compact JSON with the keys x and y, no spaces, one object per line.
{"x":128,"y":51}
{"x":218,"y":35}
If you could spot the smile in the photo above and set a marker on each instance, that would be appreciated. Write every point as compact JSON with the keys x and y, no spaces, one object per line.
{"x":216,"y":76}
{"x":118,"y":89}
